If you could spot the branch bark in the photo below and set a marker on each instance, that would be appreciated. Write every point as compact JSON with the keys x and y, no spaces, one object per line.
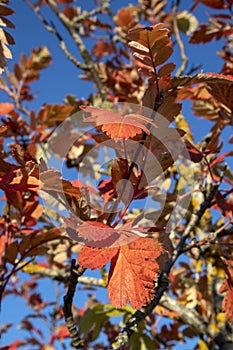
{"x":72,"y":29}
{"x":184,"y":58}
{"x":75,"y":273}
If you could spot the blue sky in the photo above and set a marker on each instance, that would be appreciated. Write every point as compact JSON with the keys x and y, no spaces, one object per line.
{"x":62,"y":77}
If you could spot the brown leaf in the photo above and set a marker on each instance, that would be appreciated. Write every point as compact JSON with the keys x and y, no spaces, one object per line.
{"x":53,"y":114}
{"x":214,"y":30}
{"x":151,"y":45}
{"x":52,"y":182}
{"x":166,"y":69}
{"x":12,"y":252}
{"x":39,"y":59}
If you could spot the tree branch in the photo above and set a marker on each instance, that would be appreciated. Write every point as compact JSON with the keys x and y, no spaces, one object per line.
{"x":187,"y":316}
{"x":62,"y":275}
{"x":184,"y":58}
{"x":75,"y":273}
{"x":52,"y":29}
{"x":70,"y":26}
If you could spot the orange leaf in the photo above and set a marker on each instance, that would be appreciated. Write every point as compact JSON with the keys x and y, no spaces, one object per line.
{"x":6,"y":108}
{"x":115,"y":125}
{"x":95,"y":258}
{"x":227,"y":303}
{"x":20,"y":183}
{"x":3,"y":128}
{"x":132,"y":273}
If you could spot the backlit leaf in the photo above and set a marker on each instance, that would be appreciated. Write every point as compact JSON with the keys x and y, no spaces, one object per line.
{"x":115,"y":125}
{"x":132,"y":273}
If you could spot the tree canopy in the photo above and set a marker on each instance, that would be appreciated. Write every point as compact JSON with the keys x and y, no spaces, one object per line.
{"x":116,"y":217}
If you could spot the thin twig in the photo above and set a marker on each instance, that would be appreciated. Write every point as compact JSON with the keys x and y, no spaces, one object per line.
{"x":51,"y":28}
{"x":75,"y":273}
{"x":184,"y":58}
{"x":4,"y":260}
{"x":69,"y":25}
{"x":99,"y":9}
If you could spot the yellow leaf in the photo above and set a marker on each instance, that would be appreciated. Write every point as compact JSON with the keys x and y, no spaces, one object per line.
{"x":32,"y":268}
{"x":187,"y":22}
{"x":182,"y":123}
{"x":202,"y":345}
{"x":221,"y":319}
{"x":199,"y":266}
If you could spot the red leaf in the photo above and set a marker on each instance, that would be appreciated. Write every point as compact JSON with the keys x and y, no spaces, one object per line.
{"x":53,"y":182}
{"x":227,"y":286}
{"x":215,"y":4}
{"x":62,"y":331}
{"x":6,"y":108}
{"x":115,"y":125}
{"x":16,"y":345}
{"x":195,"y":155}
{"x":221,"y":158}
{"x":227,"y":304}
{"x":95,"y":258}
{"x":224,"y":205}
{"x":99,"y":235}
{"x":102,"y":48}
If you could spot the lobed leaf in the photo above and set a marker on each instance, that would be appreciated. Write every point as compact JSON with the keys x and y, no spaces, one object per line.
{"x":115,"y":125}
{"x":132,"y":273}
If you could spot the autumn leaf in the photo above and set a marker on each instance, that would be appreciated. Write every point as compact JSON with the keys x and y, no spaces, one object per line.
{"x":224,"y":205}
{"x":5,"y":38}
{"x":151,"y":45}
{"x":52,"y":114}
{"x":11,"y":182}
{"x":102,"y":48}
{"x":39,"y":59}
{"x":227,"y":286}
{"x":52,"y":182}
{"x":132,"y":273}
{"x":125,"y":18}
{"x":115,"y":125}
{"x":209,"y":77}
{"x":207,"y":32}
{"x":6,"y":108}
{"x":100,"y":235}
{"x":215,"y":4}
{"x":227,"y":304}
